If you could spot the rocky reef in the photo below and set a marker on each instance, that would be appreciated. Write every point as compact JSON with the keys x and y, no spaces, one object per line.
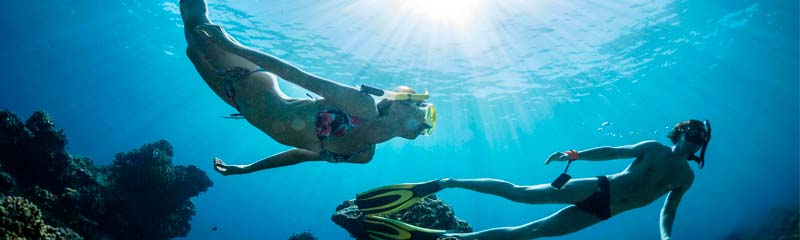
{"x":303,"y":236}
{"x":46,"y":193}
{"x":430,"y":212}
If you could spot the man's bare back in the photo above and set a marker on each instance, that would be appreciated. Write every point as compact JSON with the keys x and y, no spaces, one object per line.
{"x":657,"y":172}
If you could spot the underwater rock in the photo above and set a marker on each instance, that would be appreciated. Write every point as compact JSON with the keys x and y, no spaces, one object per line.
{"x":303,"y":236}
{"x":430,"y":212}
{"x":140,"y":196}
{"x":146,"y":192}
{"x":12,"y":132}
{"x":35,"y":154}
{"x":6,"y":183}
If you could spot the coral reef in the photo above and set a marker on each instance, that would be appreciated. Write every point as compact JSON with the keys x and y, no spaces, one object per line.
{"x":50,"y":194}
{"x":148,"y":193}
{"x":780,"y":223}
{"x":303,"y":236}
{"x":430,"y":212}
{"x":21,"y":219}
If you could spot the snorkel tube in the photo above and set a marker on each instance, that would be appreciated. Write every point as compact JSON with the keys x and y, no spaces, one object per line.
{"x":702,"y":159}
{"x":371,"y":90}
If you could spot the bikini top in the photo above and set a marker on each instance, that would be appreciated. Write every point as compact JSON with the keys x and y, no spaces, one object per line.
{"x":332,"y":124}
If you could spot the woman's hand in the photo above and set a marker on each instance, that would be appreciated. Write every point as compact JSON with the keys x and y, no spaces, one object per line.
{"x":557,"y":156}
{"x":226,"y":169}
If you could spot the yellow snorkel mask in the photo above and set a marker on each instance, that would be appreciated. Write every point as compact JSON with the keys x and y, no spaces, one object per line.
{"x":430,"y":118}
{"x":407,"y":94}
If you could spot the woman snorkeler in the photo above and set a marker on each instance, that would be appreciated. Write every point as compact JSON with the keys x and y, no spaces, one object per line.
{"x":342,"y":126}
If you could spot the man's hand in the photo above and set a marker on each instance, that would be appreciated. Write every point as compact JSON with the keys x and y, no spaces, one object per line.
{"x":557,"y":156}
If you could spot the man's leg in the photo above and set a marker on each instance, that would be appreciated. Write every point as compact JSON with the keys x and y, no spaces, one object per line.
{"x":565,"y":221}
{"x":572,"y":192}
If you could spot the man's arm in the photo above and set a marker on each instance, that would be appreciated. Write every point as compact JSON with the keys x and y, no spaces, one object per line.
{"x":669,"y":210}
{"x":608,"y":153}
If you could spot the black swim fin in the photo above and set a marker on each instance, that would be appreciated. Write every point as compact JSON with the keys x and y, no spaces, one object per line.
{"x":393,"y":198}
{"x":380,"y":228}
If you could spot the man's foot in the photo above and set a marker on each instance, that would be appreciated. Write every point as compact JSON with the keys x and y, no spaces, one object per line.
{"x":226,"y":169}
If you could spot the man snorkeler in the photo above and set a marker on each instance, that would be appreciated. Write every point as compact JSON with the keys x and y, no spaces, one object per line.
{"x":656,"y":170}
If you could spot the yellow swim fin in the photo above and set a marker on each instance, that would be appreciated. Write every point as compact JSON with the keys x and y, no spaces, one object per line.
{"x":380,"y":228}
{"x":393,"y":198}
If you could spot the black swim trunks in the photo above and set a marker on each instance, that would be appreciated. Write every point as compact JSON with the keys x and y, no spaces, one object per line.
{"x":599,"y":203}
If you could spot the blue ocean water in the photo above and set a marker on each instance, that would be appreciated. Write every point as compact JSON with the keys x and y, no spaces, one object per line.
{"x":513,"y":81}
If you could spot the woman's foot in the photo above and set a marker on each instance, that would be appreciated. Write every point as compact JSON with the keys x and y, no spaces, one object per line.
{"x":226,"y":169}
{"x":194,"y":13}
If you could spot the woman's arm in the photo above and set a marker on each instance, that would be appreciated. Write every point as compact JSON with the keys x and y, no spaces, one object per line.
{"x":607,"y":153}
{"x":347,"y":98}
{"x":285,"y":158}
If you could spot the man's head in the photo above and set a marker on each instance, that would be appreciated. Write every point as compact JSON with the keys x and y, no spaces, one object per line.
{"x":692,"y":131}
{"x":690,"y":136}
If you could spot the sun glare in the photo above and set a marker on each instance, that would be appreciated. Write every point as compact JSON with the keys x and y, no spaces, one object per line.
{"x":457,"y":12}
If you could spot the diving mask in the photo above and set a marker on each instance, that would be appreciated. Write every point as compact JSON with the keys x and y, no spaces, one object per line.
{"x":406,"y":96}
{"x":417,"y":99}
{"x":430,"y":117}
{"x":695,"y":135}
{"x":394,"y":95}
{"x":703,"y":137}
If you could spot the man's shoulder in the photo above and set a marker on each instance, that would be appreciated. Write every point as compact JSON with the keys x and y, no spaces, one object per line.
{"x":651,"y":145}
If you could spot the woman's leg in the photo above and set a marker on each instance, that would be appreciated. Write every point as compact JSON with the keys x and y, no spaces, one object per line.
{"x":572,"y":192}
{"x":215,"y":64}
{"x":193,"y":13}
{"x":216,"y":36}
{"x":565,"y":221}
